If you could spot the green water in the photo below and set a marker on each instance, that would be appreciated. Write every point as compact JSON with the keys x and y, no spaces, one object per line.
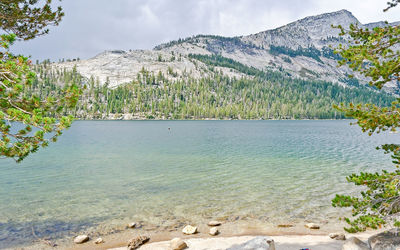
{"x":105,"y":173}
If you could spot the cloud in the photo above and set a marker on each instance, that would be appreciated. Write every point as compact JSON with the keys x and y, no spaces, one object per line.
{"x":92,"y":26}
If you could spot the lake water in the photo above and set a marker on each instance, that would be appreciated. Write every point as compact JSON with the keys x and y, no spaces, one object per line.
{"x":103,"y":174}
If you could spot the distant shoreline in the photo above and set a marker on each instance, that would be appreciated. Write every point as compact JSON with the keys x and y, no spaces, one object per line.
{"x":209,"y":119}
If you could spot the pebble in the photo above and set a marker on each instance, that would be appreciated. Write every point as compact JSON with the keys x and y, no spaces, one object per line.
{"x":177,"y":244}
{"x":214,"y":223}
{"x":285,"y":225}
{"x":189,"y":230}
{"x":312,"y":226}
{"x":81,"y":239}
{"x":132,"y":225}
{"x":137,"y":242}
{"x":99,"y":241}
{"x":213,"y":231}
{"x":337,"y":236}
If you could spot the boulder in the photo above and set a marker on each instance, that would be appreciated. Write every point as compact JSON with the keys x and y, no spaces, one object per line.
{"x":214,"y":223}
{"x":132,"y":225}
{"x":213,"y":231}
{"x":81,"y":239}
{"x":386,"y":240}
{"x":177,"y":244}
{"x":312,"y":226}
{"x":337,"y":236}
{"x":99,"y":241}
{"x":258,"y":243}
{"x":137,"y":242}
{"x":355,"y":244}
{"x":189,"y":230}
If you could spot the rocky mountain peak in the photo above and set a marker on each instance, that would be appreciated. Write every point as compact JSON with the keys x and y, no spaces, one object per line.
{"x":303,"y":48}
{"x":306,"y":32}
{"x":343,"y":17}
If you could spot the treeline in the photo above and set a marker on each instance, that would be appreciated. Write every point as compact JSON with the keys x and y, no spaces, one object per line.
{"x":311,"y":52}
{"x":220,"y":61}
{"x":266,"y":95}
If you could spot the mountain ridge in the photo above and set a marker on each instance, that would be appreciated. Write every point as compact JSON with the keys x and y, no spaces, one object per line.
{"x":302,"y":48}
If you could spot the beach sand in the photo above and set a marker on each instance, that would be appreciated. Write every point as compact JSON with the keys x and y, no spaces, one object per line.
{"x":287,"y":242}
{"x":296,"y":237}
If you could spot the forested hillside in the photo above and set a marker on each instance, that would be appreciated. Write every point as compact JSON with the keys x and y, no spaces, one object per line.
{"x":259,"y":95}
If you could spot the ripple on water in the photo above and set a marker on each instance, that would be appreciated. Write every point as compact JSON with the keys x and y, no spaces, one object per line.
{"x":108,"y":173}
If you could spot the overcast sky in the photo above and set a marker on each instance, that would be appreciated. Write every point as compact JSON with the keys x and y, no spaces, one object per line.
{"x":92,"y":26}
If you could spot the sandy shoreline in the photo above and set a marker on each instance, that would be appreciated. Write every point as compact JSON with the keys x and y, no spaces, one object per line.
{"x":295,"y":237}
{"x":282,"y":242}
{"x":288,"y":242}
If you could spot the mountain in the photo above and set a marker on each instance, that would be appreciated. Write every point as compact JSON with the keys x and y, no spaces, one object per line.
{"x":286,"y":73}
{"x":303,"y":49}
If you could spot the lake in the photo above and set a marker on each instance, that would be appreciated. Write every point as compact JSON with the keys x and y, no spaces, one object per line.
{"x":102,"y":174}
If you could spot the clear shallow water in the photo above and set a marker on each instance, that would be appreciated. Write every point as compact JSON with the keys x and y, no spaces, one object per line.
{"x":102,"y":174}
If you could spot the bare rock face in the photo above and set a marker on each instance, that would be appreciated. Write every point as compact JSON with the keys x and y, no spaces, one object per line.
{"x":309,"y":31}
{"x":213,"y":231}
{"x":137,"y":242}
{"x":177,"y":244}
{"x":312,"y":226}
{"x":258,"y":243}
{"x":337,"y":236}
{"x":189,"y":230}
{"x":214,"y":223}
{"x":355,"y":244}
{"x":385,"y":240}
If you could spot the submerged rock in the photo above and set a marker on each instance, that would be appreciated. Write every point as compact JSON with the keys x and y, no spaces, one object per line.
{"x":214,"y":223}
{"x":355,"y":244}
{"x":137,"y":242}
{"x":258,"y":243}
{"x":99,"y":241}
{"x":189,"y":230}
{"x":81,"y":239}
{"x":177,"y":244}
{"x":386,"y":240}
{"x":312,"y":226}
{"x":213,"y":231}
{"x":337,"y":236}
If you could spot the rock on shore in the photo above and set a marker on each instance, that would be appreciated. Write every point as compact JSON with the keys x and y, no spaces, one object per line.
{"x":137,"y":242}
{"x":189,"y":230}
{"x":312,"y":226}
{"x":132,"y":225}
{"x":355,"y":244}
{"x":337,"y":236}
{"x":258,"y":243}
{"x":81,"y":239}
{"x":214,"y":223}
{"x":213,"y":231}
{"x":177,"y":244}
{"x":99,"y":241}
{"x":386,"y":240}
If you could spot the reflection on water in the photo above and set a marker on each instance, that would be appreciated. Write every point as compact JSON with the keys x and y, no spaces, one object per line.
{"x":109,"y":172}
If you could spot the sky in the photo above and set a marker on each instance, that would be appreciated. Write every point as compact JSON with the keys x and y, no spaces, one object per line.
{"x":93,"y":26}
